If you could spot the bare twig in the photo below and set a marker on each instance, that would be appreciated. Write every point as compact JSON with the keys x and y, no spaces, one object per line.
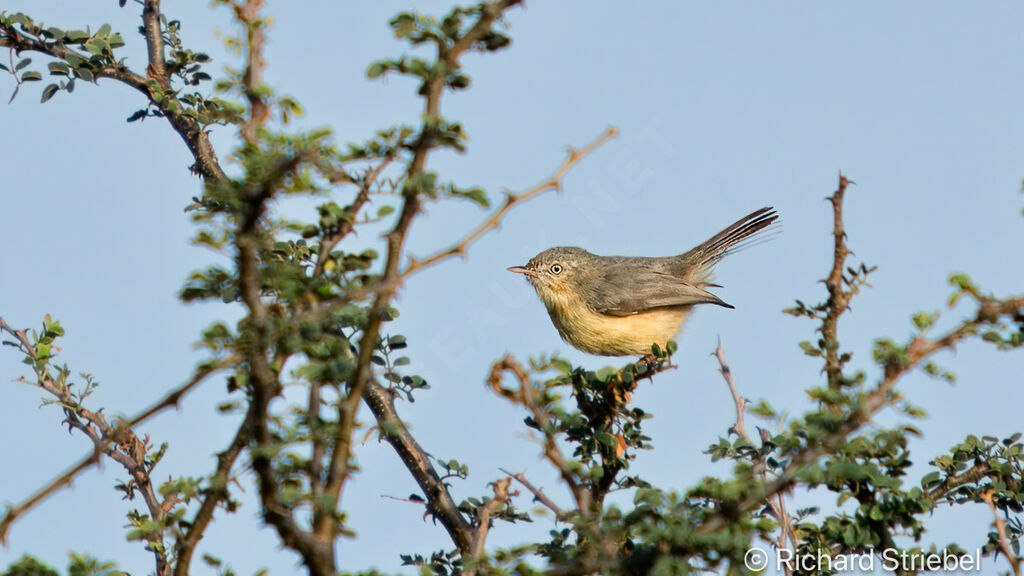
{"x":538,"y":494}
{"x":247,"y":13}
{"x":776,"y":503}
{"x":511,"y":200}
{"x":416,"y":500}
{"x":1004,"y":540}
{"x":741,"y":403}
{"x":838,"y":298}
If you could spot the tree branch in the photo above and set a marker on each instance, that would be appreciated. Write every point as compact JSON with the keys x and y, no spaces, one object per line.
{"x":439,"y":499}
{"x":511,"y":200}
{"x":153,"y":33}
{"x":191,"y":132}
{"x":328,"y":242}
{"x":990,"y":312}
{"x":1004,"y":540}
{"x":361,"y":384}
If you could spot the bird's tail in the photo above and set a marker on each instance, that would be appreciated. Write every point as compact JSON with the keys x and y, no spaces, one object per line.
{"x":730,"y":240}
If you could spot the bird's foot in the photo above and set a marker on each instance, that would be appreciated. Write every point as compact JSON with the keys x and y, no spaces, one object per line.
{"x":653,"y":364}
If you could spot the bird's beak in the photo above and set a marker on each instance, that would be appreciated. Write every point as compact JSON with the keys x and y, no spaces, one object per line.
{"x":521,"y":270}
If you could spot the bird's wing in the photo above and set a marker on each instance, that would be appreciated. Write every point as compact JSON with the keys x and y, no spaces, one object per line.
{"x":624,"y":290}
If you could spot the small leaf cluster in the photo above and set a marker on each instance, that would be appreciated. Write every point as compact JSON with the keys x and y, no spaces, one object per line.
{"x":84,"y":54}
{"x":419,"y":29}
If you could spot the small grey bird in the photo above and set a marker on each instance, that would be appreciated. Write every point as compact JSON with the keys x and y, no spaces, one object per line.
{"x":622,"y":305}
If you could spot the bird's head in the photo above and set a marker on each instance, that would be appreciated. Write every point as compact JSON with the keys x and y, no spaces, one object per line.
{"x":556,"y":272}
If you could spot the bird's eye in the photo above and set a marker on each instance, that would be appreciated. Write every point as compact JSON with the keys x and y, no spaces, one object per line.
{"x":556,"y":268}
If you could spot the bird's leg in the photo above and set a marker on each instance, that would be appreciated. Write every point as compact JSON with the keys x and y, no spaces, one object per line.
{"x":650,"y":360}
{"x":653,"y":365}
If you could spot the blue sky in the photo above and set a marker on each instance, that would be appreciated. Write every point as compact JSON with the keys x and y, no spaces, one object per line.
{"x":723,"y":108}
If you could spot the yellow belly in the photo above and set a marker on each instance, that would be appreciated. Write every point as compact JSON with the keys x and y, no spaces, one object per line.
{"x":605,"y":335}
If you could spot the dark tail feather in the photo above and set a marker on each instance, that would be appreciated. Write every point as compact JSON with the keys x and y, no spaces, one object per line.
{"x":727,"y":241}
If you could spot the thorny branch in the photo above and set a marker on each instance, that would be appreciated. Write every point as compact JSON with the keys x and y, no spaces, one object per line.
{"x":316,"y":547}
{"x":362,"y":385}
{"x":117,"y":441}
{"x":317,"y":555}
{"x":990,"y":312}
{"x":838,"y":297}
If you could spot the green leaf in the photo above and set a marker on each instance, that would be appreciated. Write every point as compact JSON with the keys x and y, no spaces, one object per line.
{"x":58,"y":68}
{"x":561,"y":365}
{"x":48,"y":92}
{"x":875,"y":513}
{"x":476,"y":195}
{"x":96,"y":45}
{"x":77,"y":35}
{"x":22,"y":63}
{"x":74,"y":60}
{"x":375,"y":70}
{"x":31,"y":76}
{"x":607,"y":440}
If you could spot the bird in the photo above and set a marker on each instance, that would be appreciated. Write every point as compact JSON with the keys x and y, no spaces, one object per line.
{"x":624,"y":305}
